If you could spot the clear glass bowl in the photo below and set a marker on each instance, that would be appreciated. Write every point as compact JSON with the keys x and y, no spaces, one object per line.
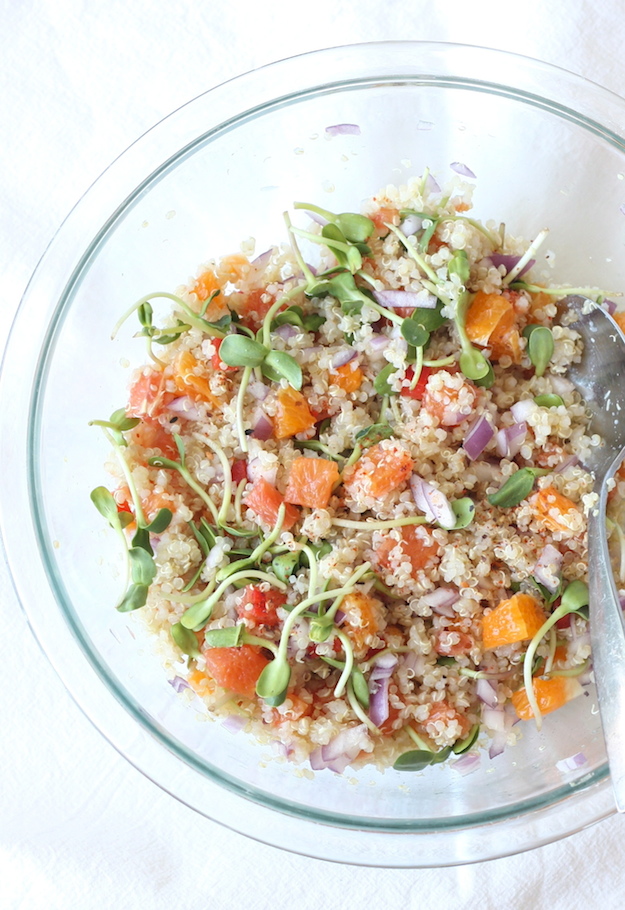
{"x":548,"y":151}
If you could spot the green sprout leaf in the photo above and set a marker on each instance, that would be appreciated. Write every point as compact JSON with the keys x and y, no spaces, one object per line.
{"x":516,"y":488}
{"x":540,"y":346}
{"x":185,"y":639}
{"x":105,"y":503}
{"x":414,"y":333}
{"x":370,"y":436}
{"x":160,"y":522}
{"x":418,"y":759}
{"x":463,"y":745}
{"x":135,"y":597}
{"x":381,"y":382}
{"x":241,"y":351}
{"x":278,"y":365}
{"x":224,"y":638}
{"x":464,"y":510}
{"x":142,"y":566}
{"x":284,"y":565}
{"x":549,"y":401}
{"x":274,"y":680}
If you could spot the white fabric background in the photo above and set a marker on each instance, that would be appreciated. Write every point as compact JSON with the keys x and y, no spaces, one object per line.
{"x":79,"y":81}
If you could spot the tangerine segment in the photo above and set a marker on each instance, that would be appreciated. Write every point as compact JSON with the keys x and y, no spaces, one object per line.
{"x":348,"y":377}
{"x":416,"y":544}
{"x":148,"y":396}
{"x":363,"y":618}
{"x":512,"y":620}
{"x":555,"y":511}
{"x":236,"y":669}
{"x":265,"y":500}
{"x":311,"y":481}
{"x":381,"y":469}
{"x":190,"y":382}
{"x":550,"y":695}
{"x":486,"y":313}
{"x":293,"y":414}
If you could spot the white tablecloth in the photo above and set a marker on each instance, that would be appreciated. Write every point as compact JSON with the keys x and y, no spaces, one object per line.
{"x":80,"y":828}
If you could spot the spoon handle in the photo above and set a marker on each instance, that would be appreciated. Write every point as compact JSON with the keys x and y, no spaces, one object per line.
{"x":607,"y":635}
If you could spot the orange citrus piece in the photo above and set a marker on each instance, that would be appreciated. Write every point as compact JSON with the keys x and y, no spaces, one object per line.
{"x":363,"y":618}
{"x":311,"y":481}
{"x":550,"y":695}
{"x":416,"y":543}
{"x":512,"y":620}
{"x":554,"y":510}
{"x":348,"y":378}
{"x":265,"y":500}
{"x":293,"y":414}
{"x":192,"y":383}
{"x":380,"y":469}
{"x":236,"y":669}
{"x":485,"y":314}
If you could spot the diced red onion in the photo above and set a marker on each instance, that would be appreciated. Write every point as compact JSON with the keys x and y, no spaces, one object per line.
{"x":184,"y":407}
{"x":494,"y":719}
{"x":498,"y":744}
{"x":572,"y":763}
{"x":178,"y":684}
{"x":467,"y":763}
{"x":610,"y":306}
{"x":286,"y":331}
{"x":378,"y":342}
{"x":262,"y":259}
{"x":346,"y":355}
{"x":414,"y":662}
{"x":379,"y":709}
{"x":486,"y":692}
{"x":410,"y":225}
{"x":441,"y":601}
{"x":478,"y":436}
{"x":234,"y":723}
{"x":547,"y":569}
{"x":383,"y":666}
{"x":462,"y":169}
{"x":567,"y":463}
{"x":339,"y":752}
{"x":509,"y":262}
{"x":410,"y":299}
{"x":256,"y":469}
{"x":432,"y":502}
{"x":263,"y":428}
{"x":343,"y":129}
{"x":431,"y":184}
{"x":258,"y":390}
{"x":508,"y":440}
{"x":521,"y":410}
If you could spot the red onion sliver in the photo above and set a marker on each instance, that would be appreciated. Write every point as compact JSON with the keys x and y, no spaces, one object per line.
{"x":432,"y":502}
{"x":263,"y":427}
{"x":184,"y":407}
{"x":258,"y":390}
{"x":486,"y":692}
{"x":431,"y":184}
{"x":412,"y":299}
{"x":178,"y":684}
{"x":572,"y":763}
{"x":467,"y":763}
{"x":462,"y":169}
{"x":410,"y":225}
{"x":234,"y":723}
{"x":610,"y":306}
{"x":346,"y":355}
{"x":377,"y":343}
{"x":256,"y":469}
{"x":521,"y":410}
{"x":441,"y":598}
{"x":262,"y":259}
{"x":343,"y":129}
{"x":379,"y":709}
{"x":547,"y":569}
{"x":286,"y":331}
{"x":509,"y":262}
{"x":510,"y":439}
{"x":339,"y":752}
{"x":498,"y":744}
{"x":494,"y":719}
{"x":567,"y":463}
{"x":478,"y":436}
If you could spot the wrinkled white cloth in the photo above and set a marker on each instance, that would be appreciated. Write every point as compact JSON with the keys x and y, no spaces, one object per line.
{"x":79,"y":827}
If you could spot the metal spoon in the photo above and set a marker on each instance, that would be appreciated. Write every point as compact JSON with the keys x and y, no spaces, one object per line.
{"x":600,"y":378}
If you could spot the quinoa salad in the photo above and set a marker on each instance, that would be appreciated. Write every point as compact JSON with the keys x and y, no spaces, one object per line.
{"x":349,"y":483}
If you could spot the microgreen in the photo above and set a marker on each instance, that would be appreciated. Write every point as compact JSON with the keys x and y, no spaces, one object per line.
{"x":540,"y":346}
{"x":370,"y":436}
{"x":414,"y":333}
{"x":356,"y":678}
{"x":549,"y":401}
{"x":418,"y":759}
{"x":516,"y":488}
{"x":117,"y":424}
{"x":279,"y":365}
{"x":185,"y":639}
{"x":355,"y":228}
{"x":381,"y":382}
{"x":171,"y":333}
{"x":241,"y":351}
{"x":464,"y":510}
{"x":463,"y":745}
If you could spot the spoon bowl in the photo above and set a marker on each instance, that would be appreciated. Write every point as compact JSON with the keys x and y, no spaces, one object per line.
{"x":600,"y":378}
